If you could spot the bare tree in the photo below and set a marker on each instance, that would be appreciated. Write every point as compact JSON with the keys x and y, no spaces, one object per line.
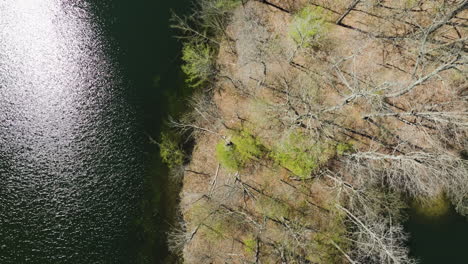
{"x":377,"y":240}
{"x":204,"y":118}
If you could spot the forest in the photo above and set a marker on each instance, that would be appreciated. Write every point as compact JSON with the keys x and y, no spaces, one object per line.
{"x":314,"y":125}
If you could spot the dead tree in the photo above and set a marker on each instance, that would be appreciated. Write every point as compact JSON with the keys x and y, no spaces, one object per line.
{"x":348,"y":10}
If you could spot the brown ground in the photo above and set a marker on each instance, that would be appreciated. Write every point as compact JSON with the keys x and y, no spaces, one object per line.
{"x":374,"y":61}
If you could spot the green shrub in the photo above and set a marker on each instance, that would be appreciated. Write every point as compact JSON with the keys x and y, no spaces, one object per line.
{"x":308,"y":26}
{"x":170,"y":152}
{"x":300,"y":155}
{"x":342,"y":148}
{"x":244,"y":147}
{"x":250,"y":244}
{"x":227,"y":156}
{"x":198,"y":63}
{"x":247,"y":146}
{"x":298,"y":162}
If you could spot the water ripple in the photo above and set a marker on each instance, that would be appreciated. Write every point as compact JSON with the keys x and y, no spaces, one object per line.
{"x":69,"y":172}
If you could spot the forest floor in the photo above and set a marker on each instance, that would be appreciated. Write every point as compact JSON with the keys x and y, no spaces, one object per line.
{"x":303,"y":134}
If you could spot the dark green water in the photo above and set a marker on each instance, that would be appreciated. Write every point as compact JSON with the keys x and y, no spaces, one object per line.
{"x":439,"y":240}
{"x":149,"y":56}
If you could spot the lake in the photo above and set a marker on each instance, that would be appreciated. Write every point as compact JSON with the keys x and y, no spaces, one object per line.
{"x":82,"y":84}
{"x":438,"y":239}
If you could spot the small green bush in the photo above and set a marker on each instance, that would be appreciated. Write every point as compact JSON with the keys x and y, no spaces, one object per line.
{"x":227,"y":156}
{"x":247,"y":146}
{"x":342,"y":148}
{"x":244,"y":147}
{"x":308,"y":26}
{"x":198,"y":63}
{"x":170,"y":152}
{"x":250,"y":244}
{"x":300,"y":155}
{"x":298,"y":162}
